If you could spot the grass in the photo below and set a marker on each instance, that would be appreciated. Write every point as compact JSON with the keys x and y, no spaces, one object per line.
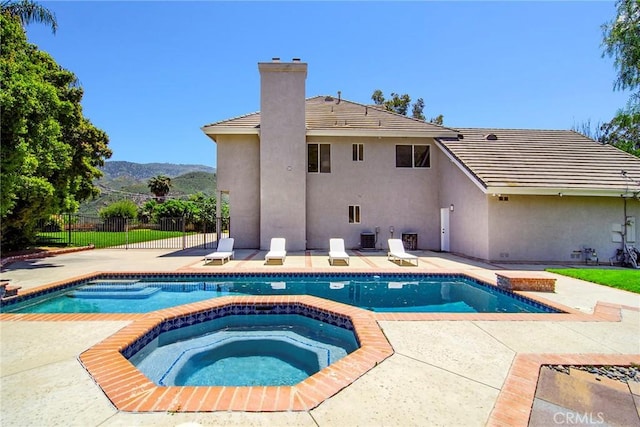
{"x":628,"y":280}
{"x":104,"y":239}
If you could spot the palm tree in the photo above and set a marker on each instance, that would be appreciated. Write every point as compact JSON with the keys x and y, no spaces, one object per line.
{"x":160,"y":186}
{"x":29,"y":11}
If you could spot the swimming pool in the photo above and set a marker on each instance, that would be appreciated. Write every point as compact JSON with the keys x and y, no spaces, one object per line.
{"x":141,"y":293}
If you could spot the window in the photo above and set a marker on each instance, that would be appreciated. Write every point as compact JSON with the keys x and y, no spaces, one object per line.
{"x":358,"y":152}
{"x":354,"y":214}
{"x":413,"y":156}
{"x":319,"y":158}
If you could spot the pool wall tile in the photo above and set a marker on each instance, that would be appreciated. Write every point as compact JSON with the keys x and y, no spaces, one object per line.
{"x":182,"y":282}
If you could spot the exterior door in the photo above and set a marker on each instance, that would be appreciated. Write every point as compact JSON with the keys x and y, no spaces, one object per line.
{"x":444,"y":229}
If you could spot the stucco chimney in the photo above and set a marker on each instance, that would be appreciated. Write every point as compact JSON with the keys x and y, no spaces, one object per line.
{"x":283,"y":153}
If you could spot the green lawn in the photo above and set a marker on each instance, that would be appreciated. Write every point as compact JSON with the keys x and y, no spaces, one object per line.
{"x":622,"y":279}
{"x":103,"y":239}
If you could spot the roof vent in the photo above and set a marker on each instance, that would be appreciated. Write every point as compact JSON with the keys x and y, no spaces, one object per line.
{"x":274,"y":59}
{"x":296,"y":60}
{"x":328,"y":99}
{"x":460,"y":136}
{"x":491,"y":137}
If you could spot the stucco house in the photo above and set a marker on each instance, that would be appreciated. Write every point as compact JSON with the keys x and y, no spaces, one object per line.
{"x":309,"y":169}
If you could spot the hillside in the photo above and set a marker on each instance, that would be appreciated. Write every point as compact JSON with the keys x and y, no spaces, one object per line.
{"x":142,"y":171}
{"x":127,"y":180}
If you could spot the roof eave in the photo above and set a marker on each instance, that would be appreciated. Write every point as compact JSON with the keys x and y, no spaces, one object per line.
{"x":213,"y":131}
{"x":390,"y":133}
{"x":555,"y":191}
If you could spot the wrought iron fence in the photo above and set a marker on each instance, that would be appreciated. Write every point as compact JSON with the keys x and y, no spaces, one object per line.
{"x":167,"y":233}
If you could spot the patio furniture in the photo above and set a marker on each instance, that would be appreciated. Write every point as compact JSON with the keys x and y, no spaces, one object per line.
{"x":277,"y":250}
{"x":336,"y":251}
{"x":223,"y":252}
{"x":397,"y":253}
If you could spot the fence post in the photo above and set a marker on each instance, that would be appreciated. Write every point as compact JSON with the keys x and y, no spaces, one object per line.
{"x":184,"y":234}
{"x":69,"y":227}
{"x":126,"y":233}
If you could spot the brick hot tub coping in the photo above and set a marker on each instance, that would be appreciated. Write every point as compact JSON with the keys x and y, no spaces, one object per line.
{"x":129,"y":390}
{"x":534,"y":281}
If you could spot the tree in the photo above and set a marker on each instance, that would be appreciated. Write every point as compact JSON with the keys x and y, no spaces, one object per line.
{"x":399,"y":104}
{"x":437,"y":120}
{"x":28,"y":11}
{"x":589,"y":130}
{"x":623,"y":131}
{"x":146,"y":211}
{"x":622,"y":42}
{"x":50,"y":153}
{"x":160,"y":186}
{"x":416,"y":112}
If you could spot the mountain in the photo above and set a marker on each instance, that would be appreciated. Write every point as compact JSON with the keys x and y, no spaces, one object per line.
{"x":128,"y":180}
{"x":140,"y":171}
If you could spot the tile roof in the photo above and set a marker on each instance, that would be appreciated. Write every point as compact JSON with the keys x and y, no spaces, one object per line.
{"x":326,"y":115}
{"x":523,"y":161}
{"x":518,"y":161}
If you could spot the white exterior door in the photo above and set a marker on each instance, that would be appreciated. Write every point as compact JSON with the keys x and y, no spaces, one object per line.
{"x":444,"y":229}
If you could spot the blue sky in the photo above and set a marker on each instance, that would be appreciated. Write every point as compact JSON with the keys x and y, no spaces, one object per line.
{"x":155,"y":72}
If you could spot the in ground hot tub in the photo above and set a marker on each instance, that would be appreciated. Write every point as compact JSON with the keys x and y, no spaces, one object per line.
{"x":309,"y":334}
{"x":245,"y":350}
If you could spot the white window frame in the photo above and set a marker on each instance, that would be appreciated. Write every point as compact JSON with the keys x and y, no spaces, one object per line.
{"x":354,"y":214}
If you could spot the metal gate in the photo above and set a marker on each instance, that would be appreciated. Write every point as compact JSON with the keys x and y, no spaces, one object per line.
{"x":167,"y":233}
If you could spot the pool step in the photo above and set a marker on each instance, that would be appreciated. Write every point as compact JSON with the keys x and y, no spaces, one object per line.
{"x":115,"y":292}
{"x":114,"y":282}
{"x":109,"y":286}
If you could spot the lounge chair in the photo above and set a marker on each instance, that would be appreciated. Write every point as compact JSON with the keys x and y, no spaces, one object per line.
{"x":336,"y":251}
{"x":224,"y":251}
{"x":277,"y":250}
{"x":397,"y":252}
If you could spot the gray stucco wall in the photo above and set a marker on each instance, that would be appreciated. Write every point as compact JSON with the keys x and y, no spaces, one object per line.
{"x":404,"y":198}
{"x":551,"y":228}
{"x":468,"y":223}
{"x":239,"y":176}
{"x":282,"y":153}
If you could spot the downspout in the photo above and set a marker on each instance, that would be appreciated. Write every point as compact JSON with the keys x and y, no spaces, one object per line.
{"x":624,"y":224}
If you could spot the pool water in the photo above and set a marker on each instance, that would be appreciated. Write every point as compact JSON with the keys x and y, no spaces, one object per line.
{"x":244,"y":350}
{"x":381,"y":293}
{"x":240,"y":371}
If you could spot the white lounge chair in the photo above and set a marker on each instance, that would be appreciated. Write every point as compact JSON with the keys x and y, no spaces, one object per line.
{"x":336,"y":251}
{"x":277,"y":250}
{"x":223,"y":252}
{"x":397,"y":252}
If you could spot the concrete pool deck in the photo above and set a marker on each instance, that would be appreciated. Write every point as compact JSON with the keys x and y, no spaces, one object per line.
{"x":467,"y":371}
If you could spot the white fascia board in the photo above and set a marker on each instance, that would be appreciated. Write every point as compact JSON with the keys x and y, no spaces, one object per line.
{"x":555,"y":191}
{"x":379,"y":133}
{"x":213,"y":132}
{"x":462,"y":167}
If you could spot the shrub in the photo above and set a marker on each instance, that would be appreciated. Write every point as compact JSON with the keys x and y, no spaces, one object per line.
{"x":54,"y":223}
{"x":121,"y":209}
